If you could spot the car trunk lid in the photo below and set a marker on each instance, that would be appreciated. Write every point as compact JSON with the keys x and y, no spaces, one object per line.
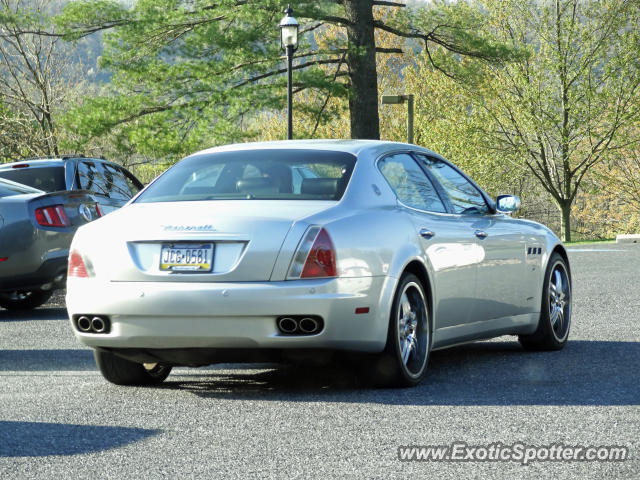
{"x":204,"y":241}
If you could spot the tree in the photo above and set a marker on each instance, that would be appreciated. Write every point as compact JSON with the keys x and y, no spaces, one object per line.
{"x":37,"y":76}
{"x":192,"y":73}
{"x":610,"y":201}
{"x":565,"y":107}
{"x":14,"y":134}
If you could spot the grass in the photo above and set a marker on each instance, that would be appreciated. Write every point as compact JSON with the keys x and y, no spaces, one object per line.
{"x":590,"y":242}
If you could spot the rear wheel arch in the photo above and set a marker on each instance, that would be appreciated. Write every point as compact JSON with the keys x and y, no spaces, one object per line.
{"x":416,"y":267}
{"x":419,"y":270}
{"x":560,"y":250}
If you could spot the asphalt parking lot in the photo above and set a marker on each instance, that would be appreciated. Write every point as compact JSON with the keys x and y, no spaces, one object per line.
{"x":59,"y":418}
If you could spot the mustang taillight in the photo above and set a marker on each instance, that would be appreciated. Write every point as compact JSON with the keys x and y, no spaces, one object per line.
{"x":77,"y":268}
{"x":315,"y":257}
{"x":53,"y":216}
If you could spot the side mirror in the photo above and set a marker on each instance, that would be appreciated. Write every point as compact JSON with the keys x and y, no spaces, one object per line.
{"x":507,"y":203}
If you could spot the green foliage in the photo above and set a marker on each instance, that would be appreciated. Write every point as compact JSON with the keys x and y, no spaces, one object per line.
{"x":461,"y":28}
{"x":20,"y":14}
{"x":447,"y":122}
{"x":559,"y":109}
{"x":186,"y":75}
{"x":207,"y":71}
{"x":83,"y":16}
{"x":39,"y":76}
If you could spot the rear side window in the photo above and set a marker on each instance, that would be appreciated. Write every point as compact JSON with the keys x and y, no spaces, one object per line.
{"x":91,"y":177}
{"x":134,"y":184}
{"x":255,"y":175}
{"x":412,"y":186}
{"x":463,"y":195}
{"x":117,"y":184}
{"x":49,"y":179}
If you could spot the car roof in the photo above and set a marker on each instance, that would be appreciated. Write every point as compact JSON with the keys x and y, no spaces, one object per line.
{"x":49,"y":162}
{"x":354,"y":147}
{"x":34,"y":163}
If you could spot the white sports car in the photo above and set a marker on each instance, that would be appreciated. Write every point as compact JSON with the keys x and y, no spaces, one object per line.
{"x":271,"y":250}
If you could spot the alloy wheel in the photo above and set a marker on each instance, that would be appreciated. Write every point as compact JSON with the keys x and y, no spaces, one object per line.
{"x":413,"y":329}
{"x":559,"y":301}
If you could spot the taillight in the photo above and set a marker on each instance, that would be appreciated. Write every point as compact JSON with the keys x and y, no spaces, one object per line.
{"x":315,"y":257}
{"x":77,"y":267}
{"x":99,"y":210}
{"x":53,"y":216}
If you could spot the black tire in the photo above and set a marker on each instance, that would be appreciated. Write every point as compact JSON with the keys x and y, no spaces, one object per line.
{"x":391,"y":367}
{"x":19,"y":300}
{"x":555,"y":314}
{"x":125,"y":372}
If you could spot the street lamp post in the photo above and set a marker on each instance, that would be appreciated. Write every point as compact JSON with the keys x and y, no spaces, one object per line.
{"x":396,"y":99}
{"x":289,"y":42}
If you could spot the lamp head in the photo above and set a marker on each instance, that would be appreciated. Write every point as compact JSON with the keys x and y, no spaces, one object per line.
{"x":289,"y":30}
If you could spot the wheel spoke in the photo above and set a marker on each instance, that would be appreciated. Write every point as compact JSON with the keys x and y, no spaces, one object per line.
{"x":558,"y":283}
{"x":559,"y":320}
{"x":554,"y":316}
{"x":406,"y":305}
{"x":406,"y":350}
{"x":408,"y":346}
{"x":413,"y":323}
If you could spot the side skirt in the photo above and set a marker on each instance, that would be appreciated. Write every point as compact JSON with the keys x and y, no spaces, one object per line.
{"x":515,"y":325}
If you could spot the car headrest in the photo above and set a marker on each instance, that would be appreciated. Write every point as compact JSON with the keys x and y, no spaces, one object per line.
{"x":257,"y":185}
{"x":281,"y":175}
{"x":319,"y":186}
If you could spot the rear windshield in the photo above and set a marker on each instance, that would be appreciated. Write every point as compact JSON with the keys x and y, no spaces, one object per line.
{"x":8,"y":189}
{"x":255,"y":174}
{"x":49,"y":179}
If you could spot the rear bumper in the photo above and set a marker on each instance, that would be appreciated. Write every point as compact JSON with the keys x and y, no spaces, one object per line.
{"x":240,"y":315}
{"x":51,"y":273}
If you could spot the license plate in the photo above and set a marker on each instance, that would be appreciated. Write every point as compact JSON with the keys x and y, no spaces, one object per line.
{"x":186,"y":257}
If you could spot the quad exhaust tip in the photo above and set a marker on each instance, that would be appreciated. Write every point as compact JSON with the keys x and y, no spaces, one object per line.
{"x":92,"y":323}
{"x":287,"y":325}
{"x":98,"y":325}
{"x":300,"y":324}
{"x":84,"y":324}
{"x":308,"y":325}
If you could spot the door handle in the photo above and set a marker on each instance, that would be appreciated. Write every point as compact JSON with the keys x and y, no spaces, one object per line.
{"x":481,"y":234}
{"x":426,"y":233}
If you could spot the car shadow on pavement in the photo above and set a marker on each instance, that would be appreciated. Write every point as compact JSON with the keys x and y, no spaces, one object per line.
{"x":36,"y":439}
{"x":481,"y":373}
{"x":37,"y":314}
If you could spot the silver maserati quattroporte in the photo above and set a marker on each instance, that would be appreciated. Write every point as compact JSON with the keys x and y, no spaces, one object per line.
{"x":261,"y":251}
